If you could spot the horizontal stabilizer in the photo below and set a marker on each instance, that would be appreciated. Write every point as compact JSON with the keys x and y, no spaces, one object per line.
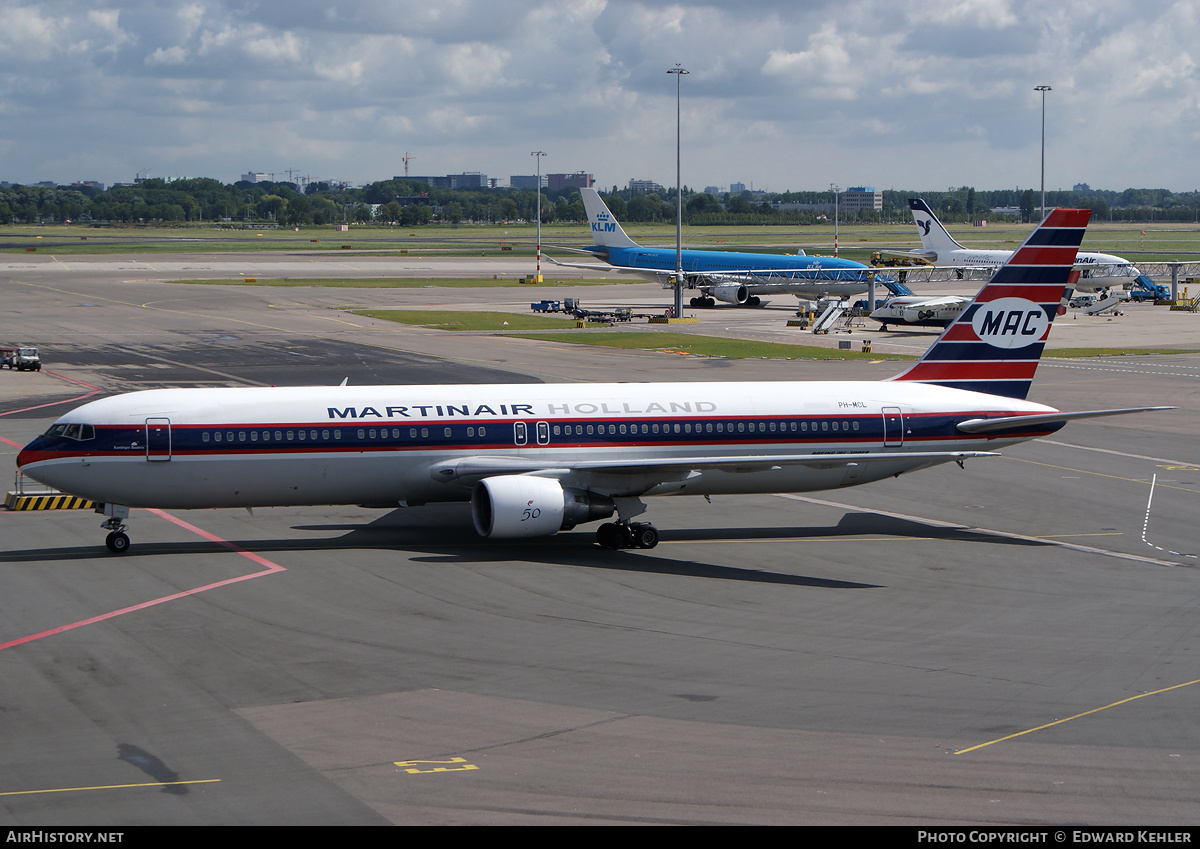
{"x":1009,"y":422}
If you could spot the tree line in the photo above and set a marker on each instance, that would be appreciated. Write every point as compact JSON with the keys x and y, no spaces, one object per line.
{"x":412,"y":203}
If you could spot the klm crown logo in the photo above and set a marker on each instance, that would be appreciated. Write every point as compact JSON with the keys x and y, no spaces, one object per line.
{"x":604,"y":223}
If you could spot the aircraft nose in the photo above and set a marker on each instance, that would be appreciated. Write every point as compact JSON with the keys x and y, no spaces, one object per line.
{"x":29,"y":455}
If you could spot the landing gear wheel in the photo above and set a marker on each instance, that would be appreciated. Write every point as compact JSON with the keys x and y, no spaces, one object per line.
{"x":753,"y":301}
{"x":612,"y":535}
{"x":707,"y":302}
{"x":117,"y":542}
{"x":644,"y":536}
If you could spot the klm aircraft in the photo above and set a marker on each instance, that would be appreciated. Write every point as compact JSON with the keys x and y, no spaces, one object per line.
{"x":727,"y":276}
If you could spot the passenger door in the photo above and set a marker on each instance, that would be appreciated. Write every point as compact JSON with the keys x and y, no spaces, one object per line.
{"x":158,"y":439}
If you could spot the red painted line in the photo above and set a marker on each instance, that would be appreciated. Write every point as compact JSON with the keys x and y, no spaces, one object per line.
{"x":269,"y":568}
{"x":10,"y":442}
{"x":95,"y":389}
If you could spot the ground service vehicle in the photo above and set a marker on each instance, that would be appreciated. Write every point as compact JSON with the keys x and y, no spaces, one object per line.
{"x":24,"y":358}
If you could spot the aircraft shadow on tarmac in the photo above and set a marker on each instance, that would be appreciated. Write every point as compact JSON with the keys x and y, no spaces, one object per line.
{"x":440,"y":534}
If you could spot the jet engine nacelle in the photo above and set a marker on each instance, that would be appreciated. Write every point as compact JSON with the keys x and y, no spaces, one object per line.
{"x":517,"y":506}
{"x":730,"y":293}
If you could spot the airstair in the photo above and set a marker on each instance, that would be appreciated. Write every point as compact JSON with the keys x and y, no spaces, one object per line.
{"x":1103,"y":306}
{"x":826,"y":320}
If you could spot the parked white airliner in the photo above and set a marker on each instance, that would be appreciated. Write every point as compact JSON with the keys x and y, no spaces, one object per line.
{"x":536,"y":459}
{"x":915,"y":311}
{"x":1098,"y":271}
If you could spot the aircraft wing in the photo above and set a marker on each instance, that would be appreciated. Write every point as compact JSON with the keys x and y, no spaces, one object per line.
{"x":777,"y":274}
{"x":920,"y":257}
{"x":937,"y":303}
{"x":469,"y":469}
{"x":647,"y":273}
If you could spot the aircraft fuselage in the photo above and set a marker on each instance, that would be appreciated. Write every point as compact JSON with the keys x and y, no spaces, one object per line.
{"x":191,"y":448}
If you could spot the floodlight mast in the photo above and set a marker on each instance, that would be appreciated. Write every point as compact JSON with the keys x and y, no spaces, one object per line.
{"x":678,"y":71}
{"x":1043,"y":89}
{"x":539,"y":154}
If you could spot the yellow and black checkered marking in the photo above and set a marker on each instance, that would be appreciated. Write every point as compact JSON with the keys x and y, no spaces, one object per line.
{"x":57,"y":501}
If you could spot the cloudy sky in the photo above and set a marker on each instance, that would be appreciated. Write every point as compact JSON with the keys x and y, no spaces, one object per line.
{"x":779,"y":95}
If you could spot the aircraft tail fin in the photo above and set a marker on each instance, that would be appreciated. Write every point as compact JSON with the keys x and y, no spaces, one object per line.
{"x":606,"y":232}
{"x":934,"y":238}
{"x":995,"y":343}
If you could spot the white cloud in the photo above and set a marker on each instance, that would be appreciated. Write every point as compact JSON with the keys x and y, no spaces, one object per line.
{"x":167,"y":56}
{"x":779,"y":93}
{"x":284,"y":47}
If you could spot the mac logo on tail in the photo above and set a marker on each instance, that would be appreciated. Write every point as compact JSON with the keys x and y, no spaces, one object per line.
{"x":1010,"y":323}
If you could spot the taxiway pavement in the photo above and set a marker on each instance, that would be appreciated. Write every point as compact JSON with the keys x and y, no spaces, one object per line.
{"x":1010,"y":643}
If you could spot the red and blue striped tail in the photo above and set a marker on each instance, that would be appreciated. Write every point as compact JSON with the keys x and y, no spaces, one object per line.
{"x":994,"y":344}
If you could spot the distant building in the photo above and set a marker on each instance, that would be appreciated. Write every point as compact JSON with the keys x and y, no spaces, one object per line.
{"x":255,"y":177}
{"x":737,"y":188}
{"x":469,"y":180}
{"x":88,"y":184}
{"x":527,"y":182}
{"x":578,"y":180}
{"x":644,"y":187}
{"x":862,"y":198}
{"x":712,"y":190}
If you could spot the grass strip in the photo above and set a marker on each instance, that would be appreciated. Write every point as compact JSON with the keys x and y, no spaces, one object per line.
{"x":467,"y":320}
{"x":705,"y":346}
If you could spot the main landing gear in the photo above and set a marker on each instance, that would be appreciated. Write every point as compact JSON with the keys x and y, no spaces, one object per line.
{"x":706,"y":302}
{"x":617,"y":535}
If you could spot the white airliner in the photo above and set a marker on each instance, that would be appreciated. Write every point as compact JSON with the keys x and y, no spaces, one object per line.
{"x":728,"y":276}
{"x":1098,"y":271}
{"x":537,"y":459}
{"x":914,"y":311}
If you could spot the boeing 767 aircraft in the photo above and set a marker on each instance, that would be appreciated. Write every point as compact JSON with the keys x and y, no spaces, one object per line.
{"x":536,"y":459}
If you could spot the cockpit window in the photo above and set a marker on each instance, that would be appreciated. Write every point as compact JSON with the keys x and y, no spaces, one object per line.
{"x":80,"y":432}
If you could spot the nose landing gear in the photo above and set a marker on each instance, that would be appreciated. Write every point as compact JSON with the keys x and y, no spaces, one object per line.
{"x":117,"y":540}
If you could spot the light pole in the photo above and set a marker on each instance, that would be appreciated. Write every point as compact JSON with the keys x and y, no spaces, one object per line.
{"x":1043,"y":89}
{"x":678,"y":72}
{"x":833,"y":187}
{"x":539,"y":154}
